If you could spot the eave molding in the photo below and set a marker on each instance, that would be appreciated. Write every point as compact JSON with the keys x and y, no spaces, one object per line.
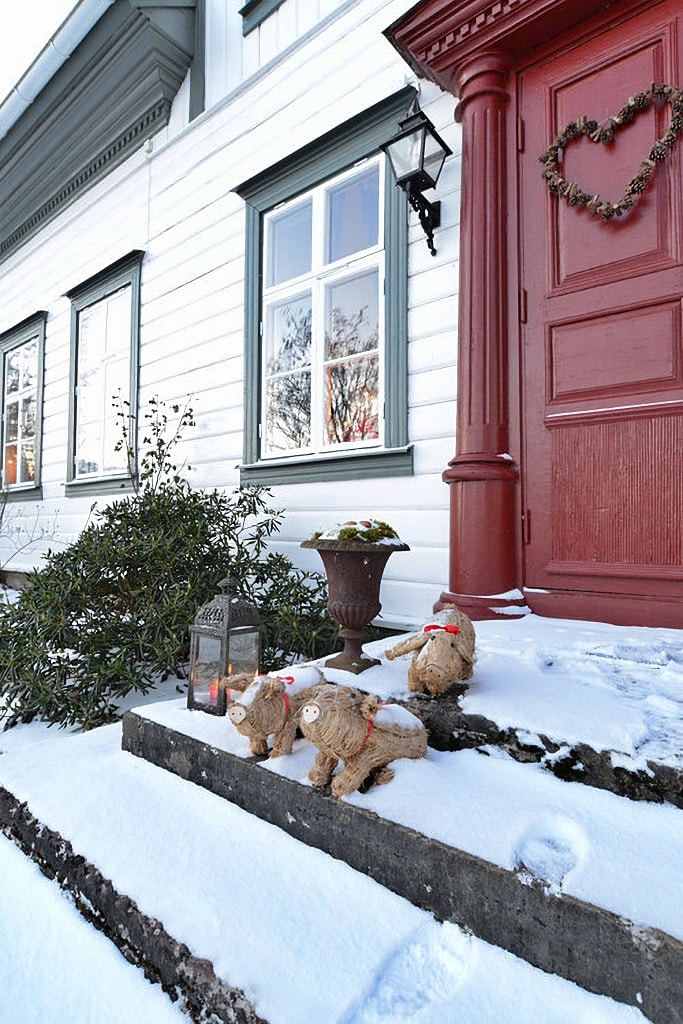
{"x":437,"y":37}
{"x":114,"y":92}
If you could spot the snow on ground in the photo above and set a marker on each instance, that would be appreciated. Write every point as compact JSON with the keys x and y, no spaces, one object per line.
{"x":55,"y":968}
{"x":307,"y":937}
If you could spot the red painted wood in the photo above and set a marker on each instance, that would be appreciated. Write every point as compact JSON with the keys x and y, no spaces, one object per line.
{"x":482,"y":475}
{"x":437,"y":37}
{"x":597,"y":376}
{"x":603,"y":346}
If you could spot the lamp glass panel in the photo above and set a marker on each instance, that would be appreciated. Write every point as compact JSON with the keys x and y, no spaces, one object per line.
{"x":207,"y":669}
{"x":243,"y":651}
{"x":405,"y":154}
{"x":434,"y":157}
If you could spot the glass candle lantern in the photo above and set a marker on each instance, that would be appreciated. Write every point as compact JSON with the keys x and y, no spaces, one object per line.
{"x":225,"y":641}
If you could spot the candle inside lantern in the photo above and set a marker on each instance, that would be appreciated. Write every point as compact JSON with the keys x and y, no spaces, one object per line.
{"x":213,"y":691}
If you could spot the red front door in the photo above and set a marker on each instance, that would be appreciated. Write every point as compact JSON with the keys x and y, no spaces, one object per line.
{"x":602,"y":348}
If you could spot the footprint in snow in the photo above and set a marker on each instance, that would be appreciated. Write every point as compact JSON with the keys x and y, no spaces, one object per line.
{"x":549,"y":848}
{"x":425,"y":971}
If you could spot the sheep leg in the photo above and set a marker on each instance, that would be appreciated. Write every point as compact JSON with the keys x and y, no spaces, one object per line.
{"x":283,"y":741}
{"x":321,"y":772}
{"x":415,"y":683}
{"x":258,"y":745}
{"x":352,"y":777}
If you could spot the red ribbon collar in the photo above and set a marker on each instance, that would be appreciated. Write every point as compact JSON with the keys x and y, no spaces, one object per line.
{"x":446,"y":629}
{"x":287,"y":680}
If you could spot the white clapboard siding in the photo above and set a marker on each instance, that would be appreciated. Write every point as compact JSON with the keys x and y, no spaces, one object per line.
{"x":310,"y":66}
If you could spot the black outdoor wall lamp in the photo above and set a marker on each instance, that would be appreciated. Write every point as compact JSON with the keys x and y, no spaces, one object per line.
{"x":417,"y":155}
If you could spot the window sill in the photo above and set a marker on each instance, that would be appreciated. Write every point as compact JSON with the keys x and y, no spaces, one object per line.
{"x":384,"y":463}
{"x":103,"y":485}
{"x":12,"y":494}
{"x":254,"y":12}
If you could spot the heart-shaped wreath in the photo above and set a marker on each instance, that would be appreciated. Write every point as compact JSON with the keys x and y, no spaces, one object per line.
{"x":573,"y":193}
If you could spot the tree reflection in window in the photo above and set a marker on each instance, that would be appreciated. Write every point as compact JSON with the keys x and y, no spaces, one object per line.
{"x":288,"y":380}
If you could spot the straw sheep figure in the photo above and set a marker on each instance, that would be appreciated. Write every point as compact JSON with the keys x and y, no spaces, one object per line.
{"x":353,"y":727}
{"x":270,"y":706}
{"x":443,"y":653}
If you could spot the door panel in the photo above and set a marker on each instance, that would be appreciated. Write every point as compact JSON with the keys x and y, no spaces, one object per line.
{"x":602,"y":349}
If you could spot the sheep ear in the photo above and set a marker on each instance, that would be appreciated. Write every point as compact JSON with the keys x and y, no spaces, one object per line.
{"x":370,"y":706}
{"x":275,"y":688}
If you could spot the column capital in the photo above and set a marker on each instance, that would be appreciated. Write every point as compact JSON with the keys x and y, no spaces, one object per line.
{"x":485,"y":73}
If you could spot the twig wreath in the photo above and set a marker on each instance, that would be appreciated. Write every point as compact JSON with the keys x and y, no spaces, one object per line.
{"x":604,"y":133}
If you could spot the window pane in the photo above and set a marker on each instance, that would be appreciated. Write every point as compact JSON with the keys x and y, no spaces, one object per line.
{"x":28,"y":417}
{"x":103,"y":373}
{"x":288,"y":381}
{"x":91,"y":328}
{"x":28,"y":461}
{"x":118,"y":311}
{"x":29,"y":363}
{"x":352,"y":391}
{"x":12,"y":372}
{"x":353,"y":215}
{"x":10,"y":467}
{"x":352,"y":315}
{"x":288,"y":338}
{"x":12,"y":421}
{"x":289,"y":244}
{"x":288,"y":412}
{"x":27,"y":467}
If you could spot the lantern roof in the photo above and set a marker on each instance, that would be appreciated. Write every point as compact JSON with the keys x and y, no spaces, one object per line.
{"x":227,"y":611}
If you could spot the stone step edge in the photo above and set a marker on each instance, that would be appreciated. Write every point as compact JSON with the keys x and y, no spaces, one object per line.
{"x":450,"y":728}
{"x":142,"y":940}
{"x":596,"y":949}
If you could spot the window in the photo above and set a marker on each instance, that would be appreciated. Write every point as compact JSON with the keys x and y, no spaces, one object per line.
{"x":322,"y":360}
{"x":104,"y":361}
{"x":325,"y":307}
{"x":22,"y":377}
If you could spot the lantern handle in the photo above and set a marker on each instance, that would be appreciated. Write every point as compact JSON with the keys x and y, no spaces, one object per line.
{"x":228,"y":585}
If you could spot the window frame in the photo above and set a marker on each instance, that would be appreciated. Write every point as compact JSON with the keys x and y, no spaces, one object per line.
{"x":337,"y":151}
{"x":122,"y":273}
{"x":33,"y":326}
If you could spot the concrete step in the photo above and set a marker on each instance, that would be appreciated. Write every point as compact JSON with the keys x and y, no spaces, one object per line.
{"x":143,"y":940}
{"x":591,"y":945}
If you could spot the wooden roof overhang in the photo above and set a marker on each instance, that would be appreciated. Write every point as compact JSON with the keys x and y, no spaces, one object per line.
{"x":113,"y":93}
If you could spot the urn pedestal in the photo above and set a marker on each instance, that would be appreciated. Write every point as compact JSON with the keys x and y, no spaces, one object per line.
{"x":354,"y":573}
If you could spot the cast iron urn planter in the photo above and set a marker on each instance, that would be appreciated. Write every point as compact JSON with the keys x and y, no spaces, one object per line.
{"x":354,"y":571}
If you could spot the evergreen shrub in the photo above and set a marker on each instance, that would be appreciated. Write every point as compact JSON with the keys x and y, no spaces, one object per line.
{"x":111,"y":613}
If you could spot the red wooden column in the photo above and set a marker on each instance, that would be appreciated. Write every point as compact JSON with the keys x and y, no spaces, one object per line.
{"x":484,"y":531}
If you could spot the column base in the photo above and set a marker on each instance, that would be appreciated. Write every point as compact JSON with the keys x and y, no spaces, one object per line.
{"x":480,"y":607}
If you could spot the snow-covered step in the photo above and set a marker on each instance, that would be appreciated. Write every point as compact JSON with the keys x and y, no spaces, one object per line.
{"x":301,"y":934}
{"x":565,"y":876}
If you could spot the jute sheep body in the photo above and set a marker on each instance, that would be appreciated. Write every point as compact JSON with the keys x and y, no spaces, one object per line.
{"x":271,"y":706}
{"x":443,"y":653}
{"x":357,"y":729}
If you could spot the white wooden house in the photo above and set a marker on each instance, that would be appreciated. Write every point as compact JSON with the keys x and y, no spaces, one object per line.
{"x":188,"y":191}
{"x":194,"y":201}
